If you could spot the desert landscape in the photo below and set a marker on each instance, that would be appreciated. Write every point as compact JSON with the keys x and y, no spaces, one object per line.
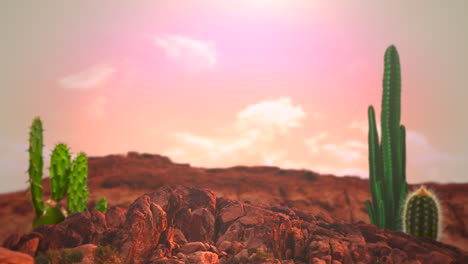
{"x":301,"y":194}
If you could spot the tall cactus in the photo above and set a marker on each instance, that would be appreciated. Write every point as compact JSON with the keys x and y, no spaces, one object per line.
{"x":421,"y":214}
{"x":77,"y":189}
{"x":36,"y":165}
{"x":387,"y":160}
{"x":59,"y":170}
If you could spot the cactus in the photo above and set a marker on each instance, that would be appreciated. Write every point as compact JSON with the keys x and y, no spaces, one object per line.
{"x":101,"y":205}
{"x":53,"y":214}
{"x":387,"y":168}
{"x":66,"y":177}
{"x":59,"y":171}
{"x":77,"y":189}
{"x":36,"y":165}
{"x":421,"y":214}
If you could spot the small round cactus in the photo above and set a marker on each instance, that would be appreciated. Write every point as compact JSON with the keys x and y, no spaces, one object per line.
{"x":421,"y":214}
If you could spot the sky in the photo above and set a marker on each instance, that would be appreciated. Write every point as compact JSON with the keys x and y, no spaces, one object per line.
{"x":218,"y":83}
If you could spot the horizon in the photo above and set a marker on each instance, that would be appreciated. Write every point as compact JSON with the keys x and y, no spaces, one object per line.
{"x":220,"y":84}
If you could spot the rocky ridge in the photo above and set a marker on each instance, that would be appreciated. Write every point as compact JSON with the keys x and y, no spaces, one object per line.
{"x":184,"y":224}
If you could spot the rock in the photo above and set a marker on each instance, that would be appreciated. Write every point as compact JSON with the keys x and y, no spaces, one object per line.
{"x":115,"y":216}
{"x":12,"y":240}
{"x":13,"y":257}
{"x":29,"y":243}
{"x":145,"y":222}
{"x":86,"y":227}
{"x":196,"y":226}
{"x":225,"y":246}
{"x":242,"y":254}
{"x":203,"y":257}
{"x":88,"y":253}
{"x":191,"y":247}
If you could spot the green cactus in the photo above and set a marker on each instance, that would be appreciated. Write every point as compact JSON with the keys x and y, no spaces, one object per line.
{"x":101,"y":205}
{"x":59,"y":171}
{"x":387,"y":168}
{"x":36,"y":165}
{"x":66,"y":177}
{"x":421,"y":214}
{"x":77,"y":189}
{"x":53,"y":214}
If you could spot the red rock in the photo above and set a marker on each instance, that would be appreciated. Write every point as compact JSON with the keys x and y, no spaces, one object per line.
{"x":149,"y":235}
{"x":13,"y":257}
{"x":203,"y":257}
{"x":115,"y":216}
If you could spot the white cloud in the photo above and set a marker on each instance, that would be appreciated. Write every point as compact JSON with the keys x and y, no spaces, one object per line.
{"x":274,"y":115}
{"x":192,"y":54}
{"x":88,"y":78}
{"x":313,"y":142}
{"x":421,"y":152}
{"x":356,"y":144}
{"x":253,"y":134}
{"x":344,"y":153}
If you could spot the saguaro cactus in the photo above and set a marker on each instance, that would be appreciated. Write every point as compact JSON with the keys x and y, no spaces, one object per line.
{"x":421,"y":214}
{"x":78,"y":189}
{"x":36,"y":165}
{"x":387,"y":168}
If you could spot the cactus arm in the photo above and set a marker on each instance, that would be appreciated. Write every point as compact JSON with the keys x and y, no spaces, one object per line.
{"x":36,"y":165}
{"x":374,"y":168}
{"x":78,"y":190}
{"x":101,"y":205}
{"x":370,"y":211}
{"x":59,"y":170}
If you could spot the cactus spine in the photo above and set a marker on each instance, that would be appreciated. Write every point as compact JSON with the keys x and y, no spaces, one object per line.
{"x":59,"y":170}
{"x":36,"y":165}
{"x":101,"y":205}
{"x":421,"y":214}
{"x":78,"y":190}
{"x":387,"y":160}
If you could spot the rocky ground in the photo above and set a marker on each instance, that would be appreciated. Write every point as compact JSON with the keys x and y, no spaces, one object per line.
{"x":182,"y":224}
{"x":123,"y":179}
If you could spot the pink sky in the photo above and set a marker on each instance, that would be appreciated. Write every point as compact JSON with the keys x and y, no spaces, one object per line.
{"x":218,"y":84}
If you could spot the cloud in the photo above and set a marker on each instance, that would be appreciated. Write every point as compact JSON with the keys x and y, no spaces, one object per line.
{"x":422,"y":153}
{"x":343,"y":152}
{"x":273,"y":115}
{"x":192,"y":54}
{"x":88,"y":78}
{"x":313,"y":142}
{"x":252,"y":136}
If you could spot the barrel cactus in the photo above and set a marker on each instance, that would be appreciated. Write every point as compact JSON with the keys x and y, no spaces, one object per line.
{"x":421,"y":214}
